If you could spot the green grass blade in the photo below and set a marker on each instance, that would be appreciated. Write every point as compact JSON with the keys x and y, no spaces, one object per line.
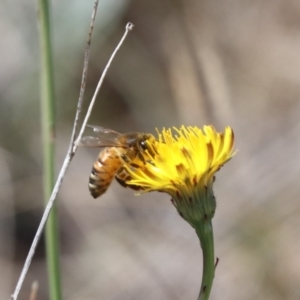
{"x":47,"y":118}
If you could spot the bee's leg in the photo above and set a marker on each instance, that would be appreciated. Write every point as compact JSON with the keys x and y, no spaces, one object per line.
{"x":141,"y":157}
{"x":125,"y":158}
{"x":152,"y":150}
{"x":122,"y":176}
{"x":121,"y":181}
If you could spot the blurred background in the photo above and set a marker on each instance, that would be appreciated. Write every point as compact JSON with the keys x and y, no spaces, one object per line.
{"x":188,"y":62}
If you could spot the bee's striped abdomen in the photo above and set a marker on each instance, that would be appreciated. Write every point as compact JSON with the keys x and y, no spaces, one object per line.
{"x":104,"y":170}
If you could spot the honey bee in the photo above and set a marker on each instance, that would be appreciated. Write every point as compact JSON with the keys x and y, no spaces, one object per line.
{"x":119,"y":149}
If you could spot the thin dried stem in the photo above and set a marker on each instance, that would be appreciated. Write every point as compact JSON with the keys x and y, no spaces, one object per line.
{"x":72,"y":149}
{"x":34,"y":290}
{"x":128,"y":28}
{"x":84,"y":76}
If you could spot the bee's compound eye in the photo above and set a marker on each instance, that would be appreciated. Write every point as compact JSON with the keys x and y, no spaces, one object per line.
{"x":143,"y":145}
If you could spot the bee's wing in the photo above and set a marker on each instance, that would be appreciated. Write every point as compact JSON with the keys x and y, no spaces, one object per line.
{"x":97,"y":142}
{"x":100,"y":129}
{"x":104,"y":138}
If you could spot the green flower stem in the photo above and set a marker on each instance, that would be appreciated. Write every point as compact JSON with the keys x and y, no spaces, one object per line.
{"x":204,"y":231}
{"x":47,"y":112}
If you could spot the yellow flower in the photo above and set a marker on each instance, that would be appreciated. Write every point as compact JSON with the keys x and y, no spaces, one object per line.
{"x":183,"y":164}
{"x":190,"y":158}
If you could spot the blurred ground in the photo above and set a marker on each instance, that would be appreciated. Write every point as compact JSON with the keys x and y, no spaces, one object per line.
{"x":231,"y":63}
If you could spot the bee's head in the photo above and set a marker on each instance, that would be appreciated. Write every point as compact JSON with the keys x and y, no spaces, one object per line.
{"x":147,"y":143}
{"x":140,"y":142}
